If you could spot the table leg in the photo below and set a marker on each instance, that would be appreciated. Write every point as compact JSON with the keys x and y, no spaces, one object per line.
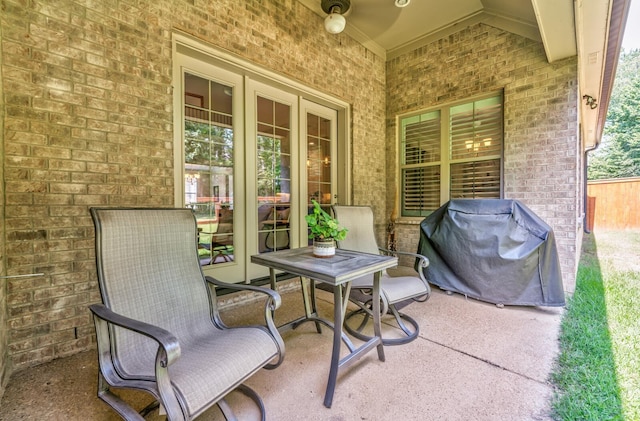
{"x":309,"y":293}
{"x":376,"y":314}
{"x":272,"y":281}
{"x":337,"y":338}
{"x":272,"y":278}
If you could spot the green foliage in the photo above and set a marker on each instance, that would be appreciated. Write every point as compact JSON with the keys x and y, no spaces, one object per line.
{"x":323,"y":226}
{"x":206,"y":144}
{"x":619,"y":153}
{"x":270,"y":165}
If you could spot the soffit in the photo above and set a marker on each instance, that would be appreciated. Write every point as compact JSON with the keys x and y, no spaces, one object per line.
{"x":591,"y":29}
{"x":390,"y":31}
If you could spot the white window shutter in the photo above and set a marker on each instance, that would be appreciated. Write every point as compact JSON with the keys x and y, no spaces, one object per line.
{"x":421,"y":154}
{"x":476,"y":149}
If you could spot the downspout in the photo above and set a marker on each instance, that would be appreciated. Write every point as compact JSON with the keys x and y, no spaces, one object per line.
{"x":585,"y":198}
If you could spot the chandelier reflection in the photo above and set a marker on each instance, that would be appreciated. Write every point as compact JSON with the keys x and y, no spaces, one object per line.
{"x":191,"y":178}
{"x":477,"y":144}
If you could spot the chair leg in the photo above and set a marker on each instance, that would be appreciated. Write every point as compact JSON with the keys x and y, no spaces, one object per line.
{"x":423,"y":298}
{"x":227,"y":412}
{"x":118,"y":405}
{"x":400,"y":318}
{"x":149,"y":408}
{"x":411,"y":333}
{"x":249,"y":392}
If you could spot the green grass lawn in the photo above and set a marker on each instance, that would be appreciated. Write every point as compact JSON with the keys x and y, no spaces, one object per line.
{"x":598,"y":370}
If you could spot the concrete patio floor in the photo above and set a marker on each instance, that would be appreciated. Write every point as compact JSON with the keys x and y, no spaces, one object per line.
{"x":472,"y":361}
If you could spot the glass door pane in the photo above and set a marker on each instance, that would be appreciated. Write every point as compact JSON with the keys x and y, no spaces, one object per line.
{"x":273,"y":175}
{"x":209,"y":166}
{"x":320,"y":160}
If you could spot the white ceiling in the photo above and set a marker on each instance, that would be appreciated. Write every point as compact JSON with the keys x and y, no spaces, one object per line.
{"x":390,"y":31}
{"x":590,"y":29}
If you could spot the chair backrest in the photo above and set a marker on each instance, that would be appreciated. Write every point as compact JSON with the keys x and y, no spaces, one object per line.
{"x":148,"y":270}
{"x":359,"y":221}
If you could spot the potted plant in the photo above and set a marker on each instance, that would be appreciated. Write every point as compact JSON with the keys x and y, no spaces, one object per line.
{"x":324,"y":230}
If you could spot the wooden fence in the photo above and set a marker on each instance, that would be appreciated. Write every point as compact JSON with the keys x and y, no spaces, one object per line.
{"x":613,"y":204}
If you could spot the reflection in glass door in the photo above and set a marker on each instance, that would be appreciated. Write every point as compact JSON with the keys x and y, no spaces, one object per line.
{"x":320,"y":160}
{"x":209,"y":166}
{"x":273,"y":173}
{"x":250,"y":168}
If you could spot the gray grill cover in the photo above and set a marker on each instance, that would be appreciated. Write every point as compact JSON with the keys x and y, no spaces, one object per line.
{"x":492,"y":250}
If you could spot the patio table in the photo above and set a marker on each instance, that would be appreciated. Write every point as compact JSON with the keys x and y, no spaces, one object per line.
{"x":337,"y":271}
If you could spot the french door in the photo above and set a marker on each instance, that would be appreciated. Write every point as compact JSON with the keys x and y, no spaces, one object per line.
{"x":318,"y":137}
{"x":272,"y":157}
{"x":254,"y":156}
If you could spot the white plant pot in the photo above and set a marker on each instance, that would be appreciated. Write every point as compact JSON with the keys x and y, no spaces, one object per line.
{"x":324,"y":248}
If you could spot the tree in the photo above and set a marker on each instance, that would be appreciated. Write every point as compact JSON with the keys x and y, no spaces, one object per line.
{"x":619,"y":153}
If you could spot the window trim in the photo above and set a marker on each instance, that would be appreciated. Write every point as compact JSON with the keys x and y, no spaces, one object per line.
{"x":191,"y":54}
{"x":445,"y":158}
{"x":186,"y":45}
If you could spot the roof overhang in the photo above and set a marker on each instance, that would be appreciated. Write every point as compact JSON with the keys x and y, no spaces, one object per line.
{"x":590,"y":29}
{"x":600,"y":26}
{"x":557,"y":28}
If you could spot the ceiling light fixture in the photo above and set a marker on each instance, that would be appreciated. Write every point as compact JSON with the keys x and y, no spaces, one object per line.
{"x":335,"y":22}
{"x":402,"y":3}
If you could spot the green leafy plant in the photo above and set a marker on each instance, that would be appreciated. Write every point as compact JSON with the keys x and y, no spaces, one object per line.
{"x":323,"y":226}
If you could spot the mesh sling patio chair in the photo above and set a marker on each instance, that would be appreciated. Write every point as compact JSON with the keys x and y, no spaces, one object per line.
{"x":397,"y":285}
{"x":158,"y":328}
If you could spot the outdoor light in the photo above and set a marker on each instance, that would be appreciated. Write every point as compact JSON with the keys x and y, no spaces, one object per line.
{"x":590,"y":101}
{"x":335,"y":22}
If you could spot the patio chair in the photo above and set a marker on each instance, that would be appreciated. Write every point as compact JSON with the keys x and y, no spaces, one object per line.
{"x":159,"y":330}
{"x":398,"y":286}
{"x":216,"y":247}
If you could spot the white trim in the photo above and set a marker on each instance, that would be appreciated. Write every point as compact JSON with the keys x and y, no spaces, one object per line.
{"x":255,"y":89}
{"x":185,"y":49}
{"x":258,"y":73}
{"x":233,"y":62}
{"x":331,"y":115}
{"x":187,"y":64}
{"x":445,"y":162}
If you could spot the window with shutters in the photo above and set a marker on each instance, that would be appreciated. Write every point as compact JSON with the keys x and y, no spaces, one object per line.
{"x":450,"y":153}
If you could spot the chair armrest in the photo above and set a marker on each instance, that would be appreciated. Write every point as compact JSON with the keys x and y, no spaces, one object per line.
{"x":168,"y":352}
{"x":421,"y":261}
{"x":274,"y":303}
{"x":164,"y":338}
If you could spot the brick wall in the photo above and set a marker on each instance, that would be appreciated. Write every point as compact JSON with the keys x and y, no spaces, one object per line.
{"x":4,"y":360}
{"x":89,"y":122}
{"x":541,"y":152}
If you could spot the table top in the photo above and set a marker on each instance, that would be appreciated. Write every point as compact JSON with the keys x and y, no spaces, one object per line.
{"x":346,"y":265}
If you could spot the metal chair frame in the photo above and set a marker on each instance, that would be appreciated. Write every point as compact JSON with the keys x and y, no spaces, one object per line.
{"x":362,"y":225}
{"x":160,"y":385}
